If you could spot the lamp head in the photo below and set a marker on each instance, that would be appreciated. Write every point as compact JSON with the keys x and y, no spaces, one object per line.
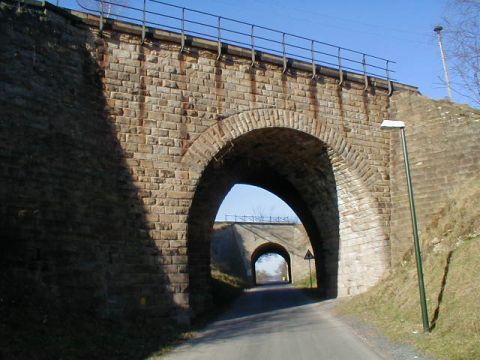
{"x":392,"y":124}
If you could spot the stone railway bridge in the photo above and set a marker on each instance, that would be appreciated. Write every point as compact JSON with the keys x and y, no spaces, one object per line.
{"x":236,"y":246}
{"x":117,"y":153}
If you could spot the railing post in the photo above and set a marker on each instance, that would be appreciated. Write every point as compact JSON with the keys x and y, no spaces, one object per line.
{"x":252,"y":39}
{"x":365,"y":76}
{"x":219,"y":36}
{"x":284,"y":54}
{"x":340,"y":69}
{"x":314,"y":67}
{"x":183,"y":30}
{"x":389,"y":83}
{"x":143,"y":21}
{"x":101,"y":17}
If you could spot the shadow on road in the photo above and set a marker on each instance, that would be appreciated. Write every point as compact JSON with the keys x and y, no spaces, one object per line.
{"x":261,"y":310}
{"x":266,"y":298}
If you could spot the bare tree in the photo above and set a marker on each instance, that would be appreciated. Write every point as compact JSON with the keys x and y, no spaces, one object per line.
{"x":282,"y":270}
{"x":462,"y":40}
{"x":262,"y":276}
{"x":106,"y":7}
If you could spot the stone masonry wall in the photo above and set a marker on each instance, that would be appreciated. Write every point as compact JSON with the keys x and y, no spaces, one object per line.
{"x":71,"y":216}
{"x":444,"y":152}
{"x":233,"y":245}
{"x":104,"y":140}
{"x":168,"y":107}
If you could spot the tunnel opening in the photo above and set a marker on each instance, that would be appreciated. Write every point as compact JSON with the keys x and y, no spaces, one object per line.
{"x":247,"y":203}
{"x":291,"y":164}
{"x":271,"y":263}
{"x":249,"y":217}
{"x":269,"y":269}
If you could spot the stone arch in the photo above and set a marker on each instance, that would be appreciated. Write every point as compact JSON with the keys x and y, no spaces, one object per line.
{"x":327,"y":182}
{"x":218,"y":138}
{"x":266,"y":248}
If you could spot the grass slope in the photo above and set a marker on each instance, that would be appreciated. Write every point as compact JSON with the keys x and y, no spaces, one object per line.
{"x":225,"y":287}
{"x":451,"y":252}
{"x":305,"y":282}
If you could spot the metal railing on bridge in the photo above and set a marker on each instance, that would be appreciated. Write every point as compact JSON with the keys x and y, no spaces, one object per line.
{"x":188,"y":22}
{"x":261,"y":219}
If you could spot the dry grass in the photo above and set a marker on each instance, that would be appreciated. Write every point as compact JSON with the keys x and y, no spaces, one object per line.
{"x":233,"y":281}
{"x":225,"y":288}
{"x":451,"y":249}
{"x":305,"y":282}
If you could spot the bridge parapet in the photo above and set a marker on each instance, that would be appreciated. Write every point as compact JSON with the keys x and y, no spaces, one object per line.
{"x":261,"y":219}
{"x":193,"y":28}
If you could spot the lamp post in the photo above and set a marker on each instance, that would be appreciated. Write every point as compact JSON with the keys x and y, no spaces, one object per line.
{"x":438,"y":30}
{"x":395,"y":124}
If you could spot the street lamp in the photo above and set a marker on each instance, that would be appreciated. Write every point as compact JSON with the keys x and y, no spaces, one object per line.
{"x":395,"y":124}
{"x":438,"y":30}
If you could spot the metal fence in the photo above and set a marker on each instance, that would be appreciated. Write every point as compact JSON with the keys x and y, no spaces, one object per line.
{"x":256,"y":38}
{"x":262,"y":219}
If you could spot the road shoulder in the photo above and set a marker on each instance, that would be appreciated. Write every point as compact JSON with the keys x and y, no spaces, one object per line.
{"x":373,"y":337}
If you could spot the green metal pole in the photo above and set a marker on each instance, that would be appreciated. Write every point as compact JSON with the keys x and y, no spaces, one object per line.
{"x":310,"y":268}
{"x":418,"y":255}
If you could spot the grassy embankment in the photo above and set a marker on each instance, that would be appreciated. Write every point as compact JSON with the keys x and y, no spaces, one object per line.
{"x":225,"y":287}
{"x":451,"y":253}
{"x":305,"y":283}
{"x":31,"y":327}
{"x":313,"y":292}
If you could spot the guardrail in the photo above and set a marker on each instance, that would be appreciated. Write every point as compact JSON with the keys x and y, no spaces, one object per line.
{"x":189,"y":22}
{"x":261,"y":219}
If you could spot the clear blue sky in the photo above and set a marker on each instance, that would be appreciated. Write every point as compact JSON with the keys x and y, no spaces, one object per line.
{"x":398,"y":30}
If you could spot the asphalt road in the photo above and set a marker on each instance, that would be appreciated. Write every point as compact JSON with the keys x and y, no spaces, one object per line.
{"x":276,"y":322}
